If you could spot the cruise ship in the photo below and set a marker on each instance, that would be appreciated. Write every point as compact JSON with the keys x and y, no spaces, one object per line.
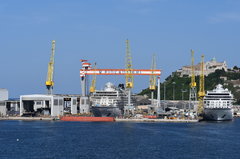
{"x":109,"y":102}
{"x":218,"y":104}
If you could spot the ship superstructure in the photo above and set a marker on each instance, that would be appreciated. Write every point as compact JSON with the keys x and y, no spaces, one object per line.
{"x":110,"y":101}
{"x":218,"y":104}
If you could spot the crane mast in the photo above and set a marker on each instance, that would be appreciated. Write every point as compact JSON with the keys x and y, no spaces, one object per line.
{"x":129,"y":79}
{"x":193,"y":84}
{"x":128,"y":66}
{"x":49,"y":82}
{"x":201,"y":92}
{"x":93,"y":84}
{"x":152,"y":80}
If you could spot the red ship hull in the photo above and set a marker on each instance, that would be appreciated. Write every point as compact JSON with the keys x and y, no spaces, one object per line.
{"x":87,"y":119}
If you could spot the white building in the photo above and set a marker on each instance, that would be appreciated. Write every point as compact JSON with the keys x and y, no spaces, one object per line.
{"x":52,"y":105}
{"x":3,"y":98}
{"x":29,"y":104}
{"x":3,"y":94}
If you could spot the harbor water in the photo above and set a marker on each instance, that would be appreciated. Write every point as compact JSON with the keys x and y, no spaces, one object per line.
{"x":116,"y":140}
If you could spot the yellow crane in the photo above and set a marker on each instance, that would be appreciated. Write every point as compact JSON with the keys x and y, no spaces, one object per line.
{"x":128,"y":66}
{"x":152,"y":80}
{"x":201,"y":92}
{"x":93,"y":84}
{"x":49,"y":81}
{"x":193,"y":84}
{"x":128,"y":109}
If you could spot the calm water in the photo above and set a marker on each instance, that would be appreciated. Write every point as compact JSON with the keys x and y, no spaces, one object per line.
{"x":48,"y":139}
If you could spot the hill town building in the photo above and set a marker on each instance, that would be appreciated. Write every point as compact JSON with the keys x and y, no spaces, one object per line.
{"x":209,"y":67}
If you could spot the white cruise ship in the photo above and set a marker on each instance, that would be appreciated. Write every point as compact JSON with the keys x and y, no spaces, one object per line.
{"x":108,"y":102}
{"x":218,"y":104}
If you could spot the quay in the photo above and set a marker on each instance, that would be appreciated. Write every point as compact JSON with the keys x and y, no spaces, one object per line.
{"x":158,"y":120}
{"x":116,"y":119}
{"x":28,"y":118}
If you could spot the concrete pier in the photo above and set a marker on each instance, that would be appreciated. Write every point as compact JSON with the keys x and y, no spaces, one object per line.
{"x":116,"y":119}
{"x":28,"y":118}
{"x":157,"y":120}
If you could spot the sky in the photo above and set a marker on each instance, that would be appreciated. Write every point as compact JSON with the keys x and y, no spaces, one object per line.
{"x":96,"y":30}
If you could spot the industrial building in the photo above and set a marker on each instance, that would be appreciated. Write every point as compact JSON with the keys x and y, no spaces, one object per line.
{"x":3,"y":94}
{"x":3,"y":98}
{"x":52,"y":105}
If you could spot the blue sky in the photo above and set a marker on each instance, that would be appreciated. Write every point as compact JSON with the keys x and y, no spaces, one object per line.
{"x":97,"y":29}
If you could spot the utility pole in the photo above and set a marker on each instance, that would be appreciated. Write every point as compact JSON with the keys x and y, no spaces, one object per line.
{"x":159,"y":91}
{"x":174,"y":90}
{"x":164,"y":91}
{"x":183,"y":91}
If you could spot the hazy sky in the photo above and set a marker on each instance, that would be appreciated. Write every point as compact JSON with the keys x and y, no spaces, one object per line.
{"x":97,"y":29}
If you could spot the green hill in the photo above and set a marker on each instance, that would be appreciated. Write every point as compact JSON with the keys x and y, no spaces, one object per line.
{"x":180,"y":85}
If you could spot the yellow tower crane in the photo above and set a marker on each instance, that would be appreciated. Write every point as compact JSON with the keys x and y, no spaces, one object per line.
{"x":152,"y":81}
{"x":193,"y":84}
{"x":93,"y":84}
{"x":128,"y":110}
{"x":49,"y":81}
{"x":201,"y":92}
{"x":128,"y":66}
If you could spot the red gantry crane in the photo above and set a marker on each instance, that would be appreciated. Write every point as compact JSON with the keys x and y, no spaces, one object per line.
{"x":128,"y":72}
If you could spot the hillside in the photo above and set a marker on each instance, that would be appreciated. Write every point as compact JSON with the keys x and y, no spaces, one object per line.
{"x":181,"y":86}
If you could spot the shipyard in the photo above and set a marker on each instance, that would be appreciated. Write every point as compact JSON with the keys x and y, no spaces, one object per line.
{"x":119,"y":79}
{"x":119,"y":103}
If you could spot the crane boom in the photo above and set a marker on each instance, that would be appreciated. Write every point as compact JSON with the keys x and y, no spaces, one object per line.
{"x":152,"y":80}
{"x":93,"y":85}
{"x":193,"y":84}
{"x":49,"y":81}
{"x":152,"y":85}
{"x":201,"y":92}
{"x":128,"y":66}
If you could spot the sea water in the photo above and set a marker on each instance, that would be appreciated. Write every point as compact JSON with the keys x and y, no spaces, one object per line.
{"x":113,"y":140}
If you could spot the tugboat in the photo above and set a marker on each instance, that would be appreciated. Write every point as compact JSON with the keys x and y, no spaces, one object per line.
{"x":218,"y":104}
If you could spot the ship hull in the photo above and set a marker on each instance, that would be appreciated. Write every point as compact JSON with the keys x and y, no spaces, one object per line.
{"x":218,"y":114}
{"x":100,"y":111}
{"x":87,"y":119}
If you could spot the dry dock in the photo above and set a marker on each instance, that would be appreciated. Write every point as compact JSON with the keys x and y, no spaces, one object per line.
{"x":157,"y":120}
